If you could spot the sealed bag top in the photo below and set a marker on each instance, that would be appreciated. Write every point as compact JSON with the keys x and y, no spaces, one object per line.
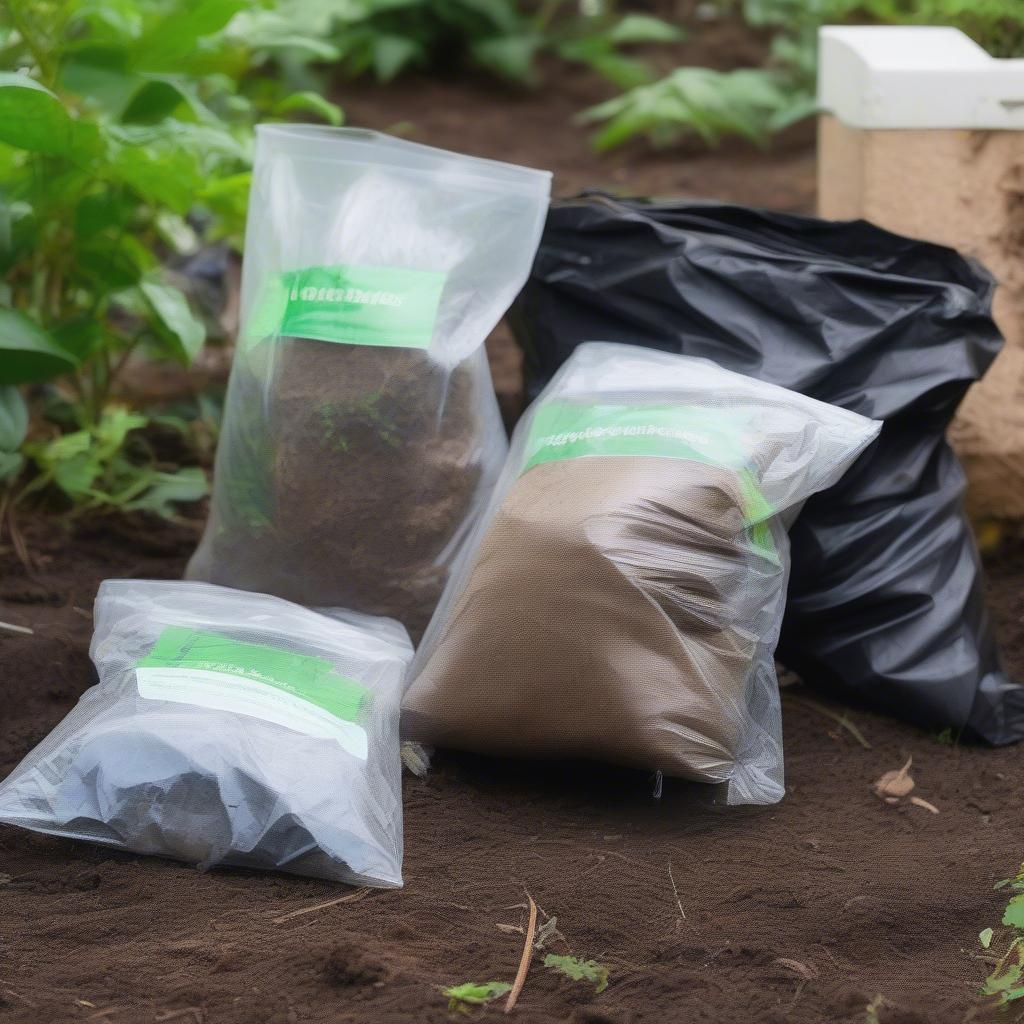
{"x":360,"y":238}
{"x":612,"y":399}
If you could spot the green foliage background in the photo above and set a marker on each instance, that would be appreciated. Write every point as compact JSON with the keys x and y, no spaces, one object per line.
{"x":126,"y":132}
{"x":125,"y":138}
{"x":756,"y":102}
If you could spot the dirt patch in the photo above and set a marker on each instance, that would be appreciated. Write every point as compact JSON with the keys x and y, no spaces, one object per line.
{"x":537,"y":128}
{"x":802,"y":912}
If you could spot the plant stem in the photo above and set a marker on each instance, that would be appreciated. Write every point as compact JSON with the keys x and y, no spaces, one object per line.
{"x":36,"y":46}
{"x":119,"y":366}
{"x":546,"y":14}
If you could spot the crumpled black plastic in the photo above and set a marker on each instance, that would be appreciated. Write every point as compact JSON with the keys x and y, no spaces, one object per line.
{"x":886,"y":602}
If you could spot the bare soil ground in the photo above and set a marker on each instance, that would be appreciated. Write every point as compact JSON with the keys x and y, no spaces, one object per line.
{"x":809,"y":911}
{"x":803,"y":912}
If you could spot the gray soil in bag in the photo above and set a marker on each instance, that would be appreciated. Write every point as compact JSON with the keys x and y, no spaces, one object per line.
{"x":370,"y":466}
{"x":575,"y":636}
{"x":153,"y":787}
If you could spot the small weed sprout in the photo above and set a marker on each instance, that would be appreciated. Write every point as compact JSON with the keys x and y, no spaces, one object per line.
{"x":472,"y":993}
{"x":579,"y":970}
{"x":1006,"y":982}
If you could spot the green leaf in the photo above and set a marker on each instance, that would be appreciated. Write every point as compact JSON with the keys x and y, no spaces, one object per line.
{"x":271,"y":31}
{"x":176,"y":232}
{"x":65,"y":447}
{"x":392,"y":54}
{"x":104,"y":22}
{"x":70,"y":460}
{"x":1014,"y":913}
{"x":703,"y":101}
{"x":79,"y":336}
{"x":794,"y":109}
{"x":13,"y":419}
{"x":512,"y":57}
{"x":100,"y":78}
{"x":27,"y":352}
{"x":156,"y":99}
{"x":228,"y":198}
{"x":474,"y":993}
{"x":643,"y":28}
{"x":985,"y":938}
{"x":181,"y":325}
{"x":176,"y":34}
{"x":114,"y":261}
{"x":312,"y":103}
{"x":33,"y":118}
{"x":625,"y":72}
{"x":997,"y":983}
{"x":76,"y":474}
{"x":100,"y":210}
{"x":579,"y":970}
{"x":156,"y":175}
{"x":169,"y":488}
{"x":115,"y":425}
{"x":10,"y":465}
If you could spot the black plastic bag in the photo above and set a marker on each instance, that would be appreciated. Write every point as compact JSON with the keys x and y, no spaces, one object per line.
{"x":886,"y":597}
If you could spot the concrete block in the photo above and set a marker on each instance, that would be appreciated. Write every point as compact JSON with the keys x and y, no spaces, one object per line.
{"x":958,"y":184}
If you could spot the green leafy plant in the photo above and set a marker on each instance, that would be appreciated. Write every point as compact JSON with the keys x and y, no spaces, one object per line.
{"x":13,"y":431}
{"x":125,"y":138}
{"x":1006,"y":981}
{"x":701,"y":101}
{"x":579,"y":970}
{"x":109,"y":464}
{"x":472,"y":993}
{"x":504,"y":37}
{"x":755,"y":102}
{"x":598,"y":42}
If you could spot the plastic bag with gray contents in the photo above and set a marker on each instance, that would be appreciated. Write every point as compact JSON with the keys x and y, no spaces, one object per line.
{"x":229,"y":728}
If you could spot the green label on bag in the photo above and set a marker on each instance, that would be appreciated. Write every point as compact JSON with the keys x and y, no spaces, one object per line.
{"x":386,"y":306}
{"x":299,"y":691}
{"x":562,"y":430}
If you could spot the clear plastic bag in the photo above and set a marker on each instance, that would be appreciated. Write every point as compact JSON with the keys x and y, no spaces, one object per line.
{"x":886,"y":602}
{"x":229,"y":727}
{"x":621,"y":599}
{"x":361,"y":435}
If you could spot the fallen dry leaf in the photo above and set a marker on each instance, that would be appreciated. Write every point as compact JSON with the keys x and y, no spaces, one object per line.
{"x":895,"y":784}
{"x":918,"y":802}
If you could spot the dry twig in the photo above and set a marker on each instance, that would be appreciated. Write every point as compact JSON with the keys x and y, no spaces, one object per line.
{"x":18,"y":541}
{"x":195,"y":1012}
{"x":524,"y":963}
{"x":17,"y":629}
{"x":675,"y":891}
{"x":841,"y":720}
{"x":352,"y":897}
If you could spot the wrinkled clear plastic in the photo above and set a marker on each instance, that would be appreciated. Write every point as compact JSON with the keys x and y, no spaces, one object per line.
{"x":349,"y":473}
{"x":625,"y":607}
{"x":208,"y":785}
